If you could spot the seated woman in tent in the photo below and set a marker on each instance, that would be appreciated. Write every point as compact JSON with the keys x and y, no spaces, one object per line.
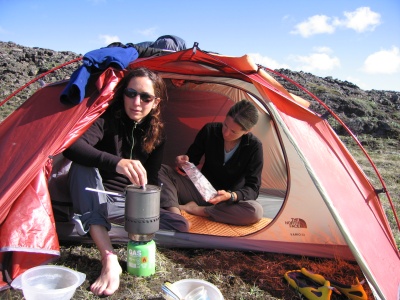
{"x":123,"y":146}
{"x":233,"y":161}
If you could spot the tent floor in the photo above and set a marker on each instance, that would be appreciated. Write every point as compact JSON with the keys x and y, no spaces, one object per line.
{"x":66,"y":230}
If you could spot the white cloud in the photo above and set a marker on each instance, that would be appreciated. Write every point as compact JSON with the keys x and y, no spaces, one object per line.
{"x":288,"y":19}
{"x":323,"y":49}
{"x":361,"y":84}
{"x":108,"y":39}
{"x":314,"y":25}
{"x":316,"y":62}
{"x":383,"y":62}
{"x":267,"y":62}
{"x":360,"y":20}
{"x":149,"y":32}
{"x":320,"y":60}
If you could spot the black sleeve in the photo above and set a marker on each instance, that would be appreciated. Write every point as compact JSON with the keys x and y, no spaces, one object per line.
{"x":83,"y":151}
{"x":197,"y":149}
{"x":252,"y":177}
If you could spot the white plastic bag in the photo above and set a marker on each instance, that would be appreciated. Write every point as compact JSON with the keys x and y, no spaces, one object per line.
{"x":202,"y":184}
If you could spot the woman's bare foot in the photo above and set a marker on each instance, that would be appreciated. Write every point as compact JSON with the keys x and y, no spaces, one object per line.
{"x":193,"y":209}
{"x":108,"y":281}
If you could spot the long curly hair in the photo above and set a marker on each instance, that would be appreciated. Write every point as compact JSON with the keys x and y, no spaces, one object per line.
{"x":154,"y":134}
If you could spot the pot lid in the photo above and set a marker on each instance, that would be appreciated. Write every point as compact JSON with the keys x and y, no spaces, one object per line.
{"x":139,"y":189}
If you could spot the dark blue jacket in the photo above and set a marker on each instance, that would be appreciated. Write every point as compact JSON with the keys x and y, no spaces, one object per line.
{"x":95,"y":61}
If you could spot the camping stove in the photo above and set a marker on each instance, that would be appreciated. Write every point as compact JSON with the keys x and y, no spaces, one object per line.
{"x":142,"y":212}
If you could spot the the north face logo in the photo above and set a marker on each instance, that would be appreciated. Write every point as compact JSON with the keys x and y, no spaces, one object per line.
{"x":297,"y":223}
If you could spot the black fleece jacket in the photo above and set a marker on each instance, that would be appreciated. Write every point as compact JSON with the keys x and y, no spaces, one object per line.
{"x":241,"y":174}
{"x":107,"y":141}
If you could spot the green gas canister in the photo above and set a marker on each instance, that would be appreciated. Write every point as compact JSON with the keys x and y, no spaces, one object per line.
{"x":141,"y":258}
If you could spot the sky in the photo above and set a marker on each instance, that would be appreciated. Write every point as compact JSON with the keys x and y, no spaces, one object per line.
{"x":355,"y":41}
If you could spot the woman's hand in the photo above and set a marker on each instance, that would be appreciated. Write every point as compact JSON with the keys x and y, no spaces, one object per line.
{"x":134,"y":170}
{"x":222,"y":196}
{"x":180,"y":160}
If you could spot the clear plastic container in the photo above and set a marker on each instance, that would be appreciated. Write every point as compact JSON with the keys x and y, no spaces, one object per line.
{"x":49,"y":283}
{"x":199,"y":293}
{"x":186,"y":286}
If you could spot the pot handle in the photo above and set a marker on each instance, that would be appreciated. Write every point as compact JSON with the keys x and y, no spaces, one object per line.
{"x":104,"y":192}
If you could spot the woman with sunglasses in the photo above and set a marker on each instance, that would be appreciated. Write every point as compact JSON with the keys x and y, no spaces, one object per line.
{"x":123,"y":146}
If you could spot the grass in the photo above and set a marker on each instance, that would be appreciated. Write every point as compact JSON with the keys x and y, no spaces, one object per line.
{"x":385,"y":155}
{"x":239,"y":275}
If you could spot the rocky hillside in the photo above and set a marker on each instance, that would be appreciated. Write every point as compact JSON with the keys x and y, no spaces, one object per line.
{"x":375,"y":113}
{"x":19,"y":65}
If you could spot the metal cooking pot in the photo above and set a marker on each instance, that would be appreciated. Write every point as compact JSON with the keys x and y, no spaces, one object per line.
{"x":142,"y":212}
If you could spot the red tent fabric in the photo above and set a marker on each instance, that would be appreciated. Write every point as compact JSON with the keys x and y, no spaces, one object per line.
{"x":38,"y":130}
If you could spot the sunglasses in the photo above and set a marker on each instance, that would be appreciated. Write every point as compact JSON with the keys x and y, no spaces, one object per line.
{"x":145,"y":97}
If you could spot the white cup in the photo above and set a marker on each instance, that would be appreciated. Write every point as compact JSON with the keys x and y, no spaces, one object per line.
{"x":199,"y":293}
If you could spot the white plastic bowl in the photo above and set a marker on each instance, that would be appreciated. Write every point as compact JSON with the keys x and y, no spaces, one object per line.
{"x":50,"y":282}
{"x":185,"y":286}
